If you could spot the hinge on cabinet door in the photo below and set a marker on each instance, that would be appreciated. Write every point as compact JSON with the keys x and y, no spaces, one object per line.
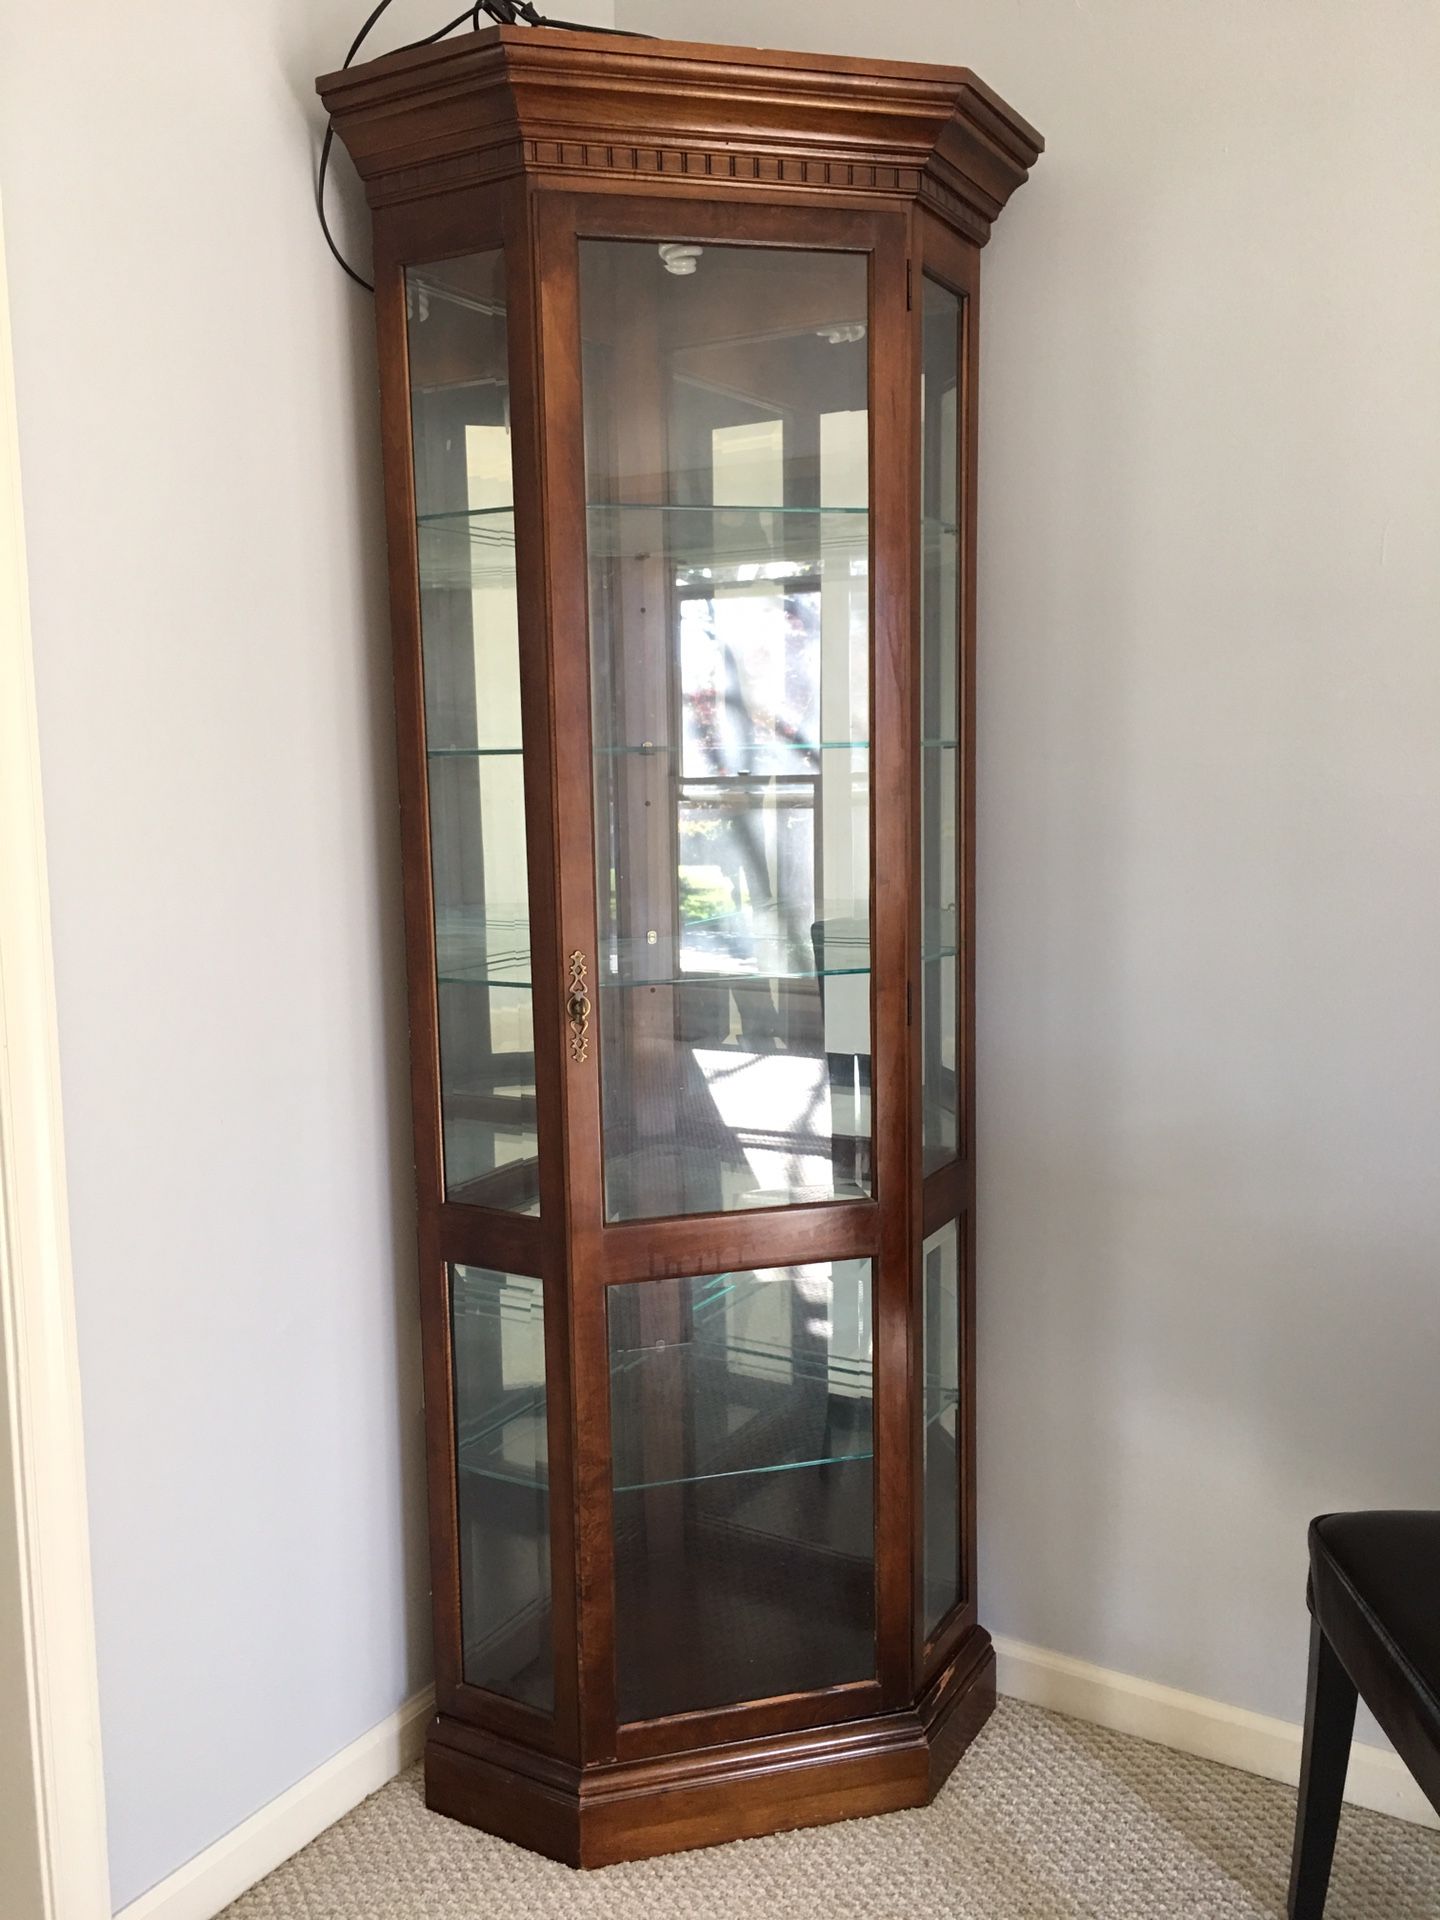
{"x":909,"y":283}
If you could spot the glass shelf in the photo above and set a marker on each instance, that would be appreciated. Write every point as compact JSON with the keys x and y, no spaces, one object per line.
{"x":733,"y":548}
{"x":499,"y":1331}
{"x":511,"y":1446}
{"x":473,"y":949}
{"x":503,"y":971}
{"x":473,"y":753}
{"x":806,"y":1429}
{"x":485,"y":521}
{"x":939,"y":933}
{"x":466,"y":516}
{"x":495,"y":952}
{"x":668,"y":506}
{"x":650,"y":751}
{"x":724,"y":506}
{"x":467,"y":551}
{"x":707,"y":546}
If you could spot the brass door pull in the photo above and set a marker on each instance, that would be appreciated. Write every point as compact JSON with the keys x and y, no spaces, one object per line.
{"x":577,"y":1006}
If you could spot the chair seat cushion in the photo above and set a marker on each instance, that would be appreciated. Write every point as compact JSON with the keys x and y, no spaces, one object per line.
{"x":1375,"y":1590}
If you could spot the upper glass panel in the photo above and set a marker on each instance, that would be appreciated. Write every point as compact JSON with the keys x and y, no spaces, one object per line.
{"x":465,"y":499}
{"x":940,"y":748}
{"x":727,"y":458}
{"x":502,"y":1484}
{"x":742,"y":1427}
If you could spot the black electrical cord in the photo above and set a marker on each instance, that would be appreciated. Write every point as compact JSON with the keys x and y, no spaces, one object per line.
{"x":506,"y":13}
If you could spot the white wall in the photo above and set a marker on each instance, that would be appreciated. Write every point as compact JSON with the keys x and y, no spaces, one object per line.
{"x":1209,"y":841}
{"x":198,"y":432}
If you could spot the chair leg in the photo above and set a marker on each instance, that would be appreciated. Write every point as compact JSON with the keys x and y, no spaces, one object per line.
{"x":1329,"y":1723}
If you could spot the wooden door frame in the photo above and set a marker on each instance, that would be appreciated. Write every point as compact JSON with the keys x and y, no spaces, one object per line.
{"x":603,"y":1253}
{"x":52,"y":1821}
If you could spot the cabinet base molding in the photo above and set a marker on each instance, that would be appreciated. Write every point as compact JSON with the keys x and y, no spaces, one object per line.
{"x":633,"y":1810}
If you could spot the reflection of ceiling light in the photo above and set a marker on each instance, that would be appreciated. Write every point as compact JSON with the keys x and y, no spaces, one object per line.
{"x":680,"y":259}
{"x":844,"y":334}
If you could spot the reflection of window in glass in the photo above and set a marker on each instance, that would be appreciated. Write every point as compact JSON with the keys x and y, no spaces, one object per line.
{"x":495,"y":608}
{"x":747,"y":464}
{"x":727,"y":443}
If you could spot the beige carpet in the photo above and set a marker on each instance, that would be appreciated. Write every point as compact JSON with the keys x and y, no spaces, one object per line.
{"x":1044,"y":1819}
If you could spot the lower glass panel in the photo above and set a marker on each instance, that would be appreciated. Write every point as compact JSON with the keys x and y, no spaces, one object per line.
{"x":502,"y":1484}
{"x":741,"y":1425}
{"x":944,"y":1578}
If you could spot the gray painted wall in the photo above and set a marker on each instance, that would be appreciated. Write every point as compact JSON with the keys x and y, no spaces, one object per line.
{"x":1209,"y":835}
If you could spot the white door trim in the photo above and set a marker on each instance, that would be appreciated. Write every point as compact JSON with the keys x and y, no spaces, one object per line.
{"x":58,"y":1810}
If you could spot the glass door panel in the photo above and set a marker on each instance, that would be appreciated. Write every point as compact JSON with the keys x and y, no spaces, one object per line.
{"x":742,"y":1436}
{"x":940,"y":1346}
{"x":502,"y":1484}
{"x":464,"y":491}
{"x":940,"y":725}
{"x":727,"y":461}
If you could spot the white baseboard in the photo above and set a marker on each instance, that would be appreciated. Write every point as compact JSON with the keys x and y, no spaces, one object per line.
{"x":1185,"y":1721}
{"x":208,"y":1883}
{"x":1191,"y":1724}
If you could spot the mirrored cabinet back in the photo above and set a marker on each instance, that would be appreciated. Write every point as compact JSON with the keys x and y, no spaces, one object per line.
{"x":678,"y":351}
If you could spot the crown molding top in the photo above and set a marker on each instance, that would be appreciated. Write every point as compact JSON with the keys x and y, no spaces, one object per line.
{"x":540,"y":101}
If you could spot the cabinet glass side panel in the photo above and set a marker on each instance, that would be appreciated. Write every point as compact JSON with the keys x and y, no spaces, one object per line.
{"x":940,"y":737}
{"x":502,"y":1484}
{"x":741,"y":1409}
{"x":727,"y":463}
{"x":464,"y":495}
{"x":943,"y":1560}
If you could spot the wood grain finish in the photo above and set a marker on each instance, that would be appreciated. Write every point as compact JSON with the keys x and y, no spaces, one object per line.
{"x":533,"y":141}
{"x":634,"y":1810}
{"x":947,"y":1194}
{"x":510,"y":100}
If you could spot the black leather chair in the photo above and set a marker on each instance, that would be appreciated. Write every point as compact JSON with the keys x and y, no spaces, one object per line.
{"x":1375,"y":1599}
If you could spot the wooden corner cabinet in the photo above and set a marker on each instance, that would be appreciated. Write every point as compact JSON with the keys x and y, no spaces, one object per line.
{"x":678,"y":358}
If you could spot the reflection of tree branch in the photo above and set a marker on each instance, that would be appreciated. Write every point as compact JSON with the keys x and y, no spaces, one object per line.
{"x":744,"y":828}
{"x":752,"y":849}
